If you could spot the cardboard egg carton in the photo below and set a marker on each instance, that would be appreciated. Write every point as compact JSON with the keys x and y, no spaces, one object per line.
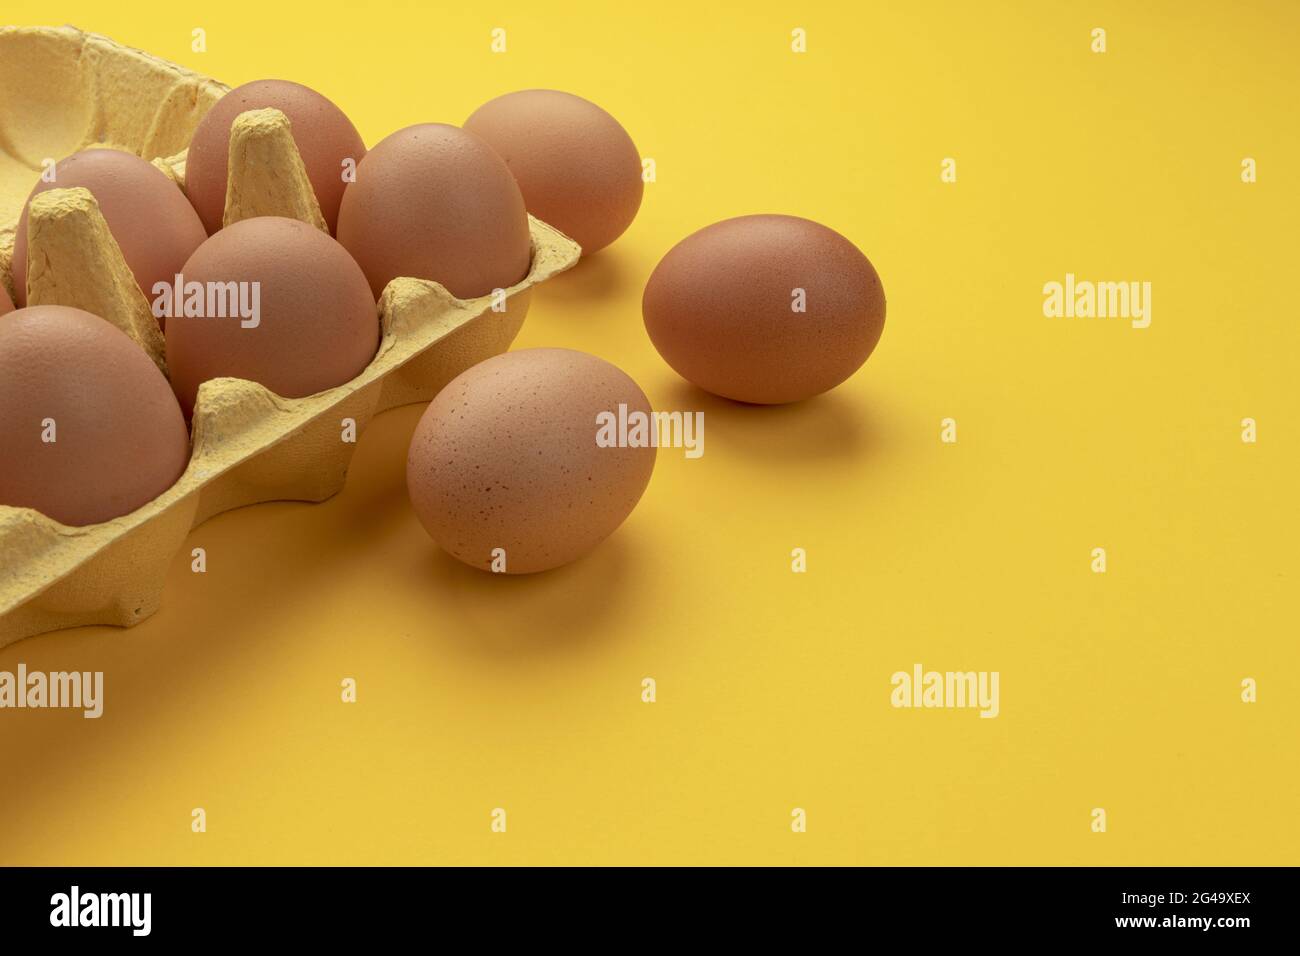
{"x":62,"y":90}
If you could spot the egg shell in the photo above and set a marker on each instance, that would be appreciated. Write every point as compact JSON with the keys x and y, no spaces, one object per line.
{"x":119,"y":435}
{"x":506,"y":457}
{"x":318,"y":326}
{"x":325,"y":137}
{"x":721,"y":308}
{"x":577,"y":168}
{"x":147,"y":214}
{"x":435,"y":202}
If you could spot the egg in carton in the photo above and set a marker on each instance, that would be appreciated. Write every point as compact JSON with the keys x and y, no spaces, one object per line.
{"x":62,"y":90}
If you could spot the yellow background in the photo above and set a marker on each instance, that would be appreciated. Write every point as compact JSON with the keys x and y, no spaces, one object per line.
{"x":1119,"y":690}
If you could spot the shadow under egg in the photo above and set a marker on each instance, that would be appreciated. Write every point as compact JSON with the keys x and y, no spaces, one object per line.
{"x":833,"y":426}
{"x":601,"y":276}
{"x":513,"y":615}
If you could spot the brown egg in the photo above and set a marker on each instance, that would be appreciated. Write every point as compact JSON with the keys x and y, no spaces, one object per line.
{"x":6,"y":304}
{"x":145,"y":211}
{"x":764,"y":309}
{"x":306,"y":319}
{"x":436,"y":202}
{"x":578,"y":169}
{"x":325,"y":138}
{"x":506,"y":457}
{"x":119,"y":438}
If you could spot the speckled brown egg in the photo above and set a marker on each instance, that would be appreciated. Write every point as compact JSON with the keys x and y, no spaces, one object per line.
{"x":147,"y":214}
{"x":325,"y":138}
{"x":89,"y":429}
{"x":315,"y":325}
{"x":577,"y":167}
{"x":436,"y":202}
{"x":506,"y":457}
{"x":764,"y":309}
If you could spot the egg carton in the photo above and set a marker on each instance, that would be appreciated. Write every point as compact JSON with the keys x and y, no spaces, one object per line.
{"x":62,"y":90}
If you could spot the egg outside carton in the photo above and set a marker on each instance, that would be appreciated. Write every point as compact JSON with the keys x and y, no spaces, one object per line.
{"x":249,"y":445}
